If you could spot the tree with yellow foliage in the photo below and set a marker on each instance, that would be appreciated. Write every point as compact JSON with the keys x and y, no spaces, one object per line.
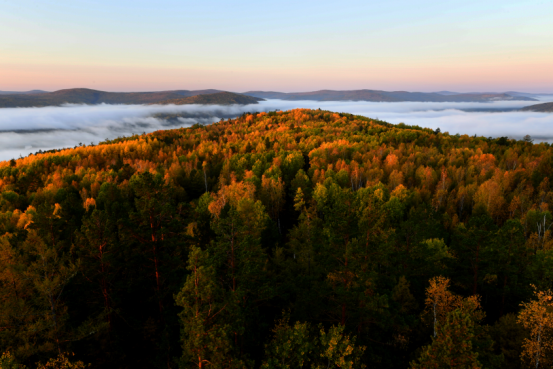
{"x":301,"y":346}
{"x":451,"y":346}
{"x":440,"y":301}
{"x":458,"y":338}
{"x":537,"y":318}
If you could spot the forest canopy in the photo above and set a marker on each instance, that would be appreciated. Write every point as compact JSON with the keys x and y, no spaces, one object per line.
{"x":298,"y":239}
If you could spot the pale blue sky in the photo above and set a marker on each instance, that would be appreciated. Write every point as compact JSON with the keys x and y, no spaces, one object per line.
{"x":286,"y":45}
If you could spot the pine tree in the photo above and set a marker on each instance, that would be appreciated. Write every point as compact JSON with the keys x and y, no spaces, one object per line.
{"x":205,"y":330}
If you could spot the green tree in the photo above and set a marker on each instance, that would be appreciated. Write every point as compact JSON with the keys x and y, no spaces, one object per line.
{"x":301,"y":346}
{"x":238,"y":221}
{"x":7,"y":361}
{"x":509,"y":335}
{"x":95,"y":246}
{"x":49,"y":271}
{"x":338,"y":350}
{"x":205,"y":331}
{"x":155,"y":225}
{"x":291,"y":346}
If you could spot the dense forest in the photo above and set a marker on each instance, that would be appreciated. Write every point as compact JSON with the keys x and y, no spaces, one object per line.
{"x":299,"y":239}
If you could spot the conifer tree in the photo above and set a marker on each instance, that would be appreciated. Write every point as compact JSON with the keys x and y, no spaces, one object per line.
{"x":205,"y":328}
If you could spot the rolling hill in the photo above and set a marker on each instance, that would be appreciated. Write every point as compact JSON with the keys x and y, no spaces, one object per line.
{"x":218,"y":98}
{"x":384,"y":96}
{"x":89,"y":96}
{"x":542,"y":108}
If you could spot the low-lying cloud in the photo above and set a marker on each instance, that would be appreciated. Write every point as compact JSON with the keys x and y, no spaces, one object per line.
{"x":495,"y":119}
{"x":28,"y":130}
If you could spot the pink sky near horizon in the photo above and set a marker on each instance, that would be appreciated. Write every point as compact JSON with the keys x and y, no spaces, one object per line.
{"x":528,"y":77}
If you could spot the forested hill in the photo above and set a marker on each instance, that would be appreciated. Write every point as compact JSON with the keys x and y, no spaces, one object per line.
{"x":387,"y":96}
{"x":543,"y":108}
{"x":88,"y":96}
{"x":306,"y":237}
{"x":218,"y":98}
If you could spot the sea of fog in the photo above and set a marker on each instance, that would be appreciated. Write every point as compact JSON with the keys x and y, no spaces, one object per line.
{"x":28,"y":130}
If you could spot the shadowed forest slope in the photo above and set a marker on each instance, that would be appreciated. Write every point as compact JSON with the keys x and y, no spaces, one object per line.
{"x":299,"y":239}
{"x":543,"y":108}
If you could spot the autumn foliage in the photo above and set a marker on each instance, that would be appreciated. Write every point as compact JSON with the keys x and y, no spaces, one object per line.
{"x":299,"y":239}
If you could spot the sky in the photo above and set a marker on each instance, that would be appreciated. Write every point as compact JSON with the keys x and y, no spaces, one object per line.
{"x":291,"y":46}
{"x":28,"y":130}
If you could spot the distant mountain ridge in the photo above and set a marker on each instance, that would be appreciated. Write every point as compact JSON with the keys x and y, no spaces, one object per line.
{"x":89,"y":96}
{"x":37,"y":98}
{"x":511,"y":93}
{"x":386,"y":96}
{"x":22,"y":92}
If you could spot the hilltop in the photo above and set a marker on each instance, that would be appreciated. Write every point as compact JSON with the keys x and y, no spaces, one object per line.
{"x":88,"y":96}
{"x":542,"y":108}
{"x":385,"y":96}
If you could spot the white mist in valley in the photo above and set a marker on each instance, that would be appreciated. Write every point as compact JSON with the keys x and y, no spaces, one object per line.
{"x":28,"y":130}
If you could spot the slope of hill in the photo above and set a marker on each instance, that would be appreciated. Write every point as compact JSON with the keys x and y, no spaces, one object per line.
{"x":88,"y":96}
{"x":543,"y":108}
{"x":384,"y":96}
{"x":218,"y":98}
{"x":527,"y":94}
{"x":308,"y":232}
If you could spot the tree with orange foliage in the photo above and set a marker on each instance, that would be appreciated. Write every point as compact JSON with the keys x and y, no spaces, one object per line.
{"x":395,"y":180}
{"x":490,"y":195}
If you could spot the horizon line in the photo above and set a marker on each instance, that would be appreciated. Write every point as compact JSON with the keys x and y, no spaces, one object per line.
{"x":280,"y":91}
